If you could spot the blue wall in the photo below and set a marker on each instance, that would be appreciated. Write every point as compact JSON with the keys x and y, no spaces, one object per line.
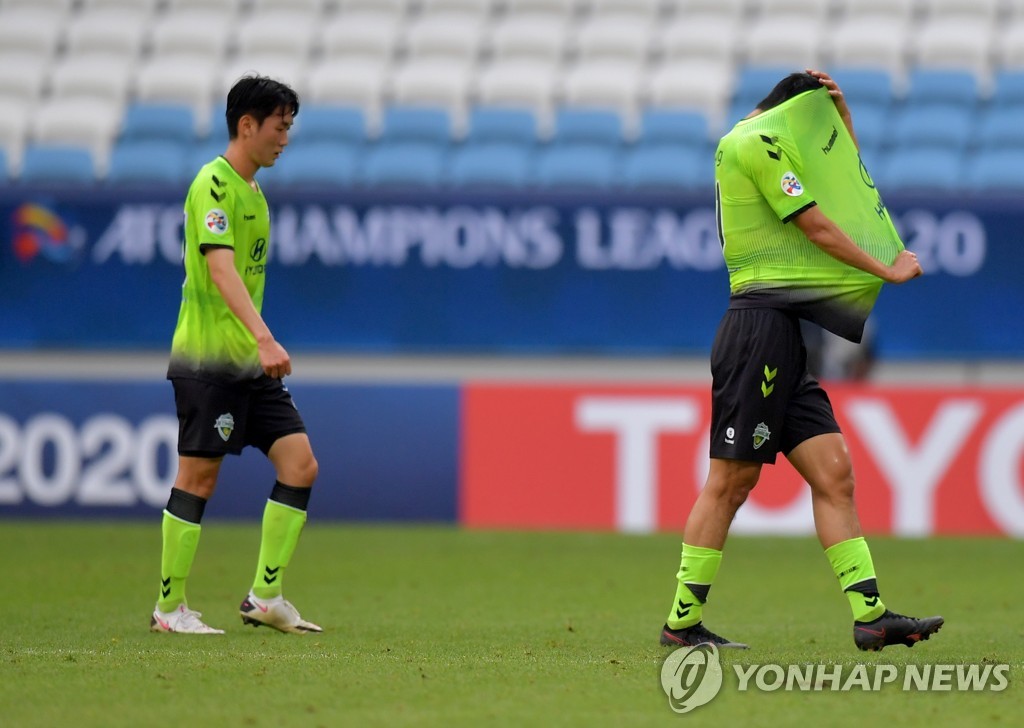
{"x":490,"y":273}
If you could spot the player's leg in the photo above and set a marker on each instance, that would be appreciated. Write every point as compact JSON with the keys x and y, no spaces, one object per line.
{"x":279,"y":431}
{"x":206,"y":431}
{"x":824,"y":462}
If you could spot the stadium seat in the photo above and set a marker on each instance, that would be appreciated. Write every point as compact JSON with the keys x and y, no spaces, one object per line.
{"x":1010,"y":45}
{"x":961,"y":9}
{"x":291,"y":69}
{"x":59,"y":6}
{"x":941,"y":87}
{"x":107,"y":78}
{"x":178,"y":79}
{"x":795,"y":39}
{"x":884,"y":11}
{"x":954,"y":42}
{"x":588,"y":126}
{"x":153,"y":162}
{"x":871,"y":125}
{"x":318,"y":163}
{"x":361,"y":35}
{"x":31,"y":30}
{"x":230,"y":6}
{"x":996,"y":169}
{"x":529,"y":83}
{"x":701,"y":85}
{"x":1007,"y":88}
{"x":790,"y":9}
{"x":1001,"y":128}
{"x":576,"y":166}
{"x":868,"y":41}
{"x":147,"y":6}
{"x":403,"y":164}
{"x":416,"y":124}
{"x":277,"y":32}
{"x":915,"y":127}
{"x":660,"y":167}
{"x":490,"y":165}
{"x":109,"y":31}
{"x":317,"y":123}
{"x":22,"y":76}
{"x":5,"y":168}
{"x":159,"y":122}
{"x":754,"y":82}
{"x":203,"y":153}
{"x":351,"y":81}
{"x":605,"y":83}
{"x":89,"y":123}
{"x":443,"y":82}
{"x":529,"y":37}
{"x":455,"y":37}
{"x":552,"y":8}
{"x":57,"y":164}
{"x":304,"y":7}
{"x":395,"y":8}
{"x":14,"y":125}
{"x":673,"y":127}
{"x":489,"y":125}
{"x":622,"y":37}
{"x":865,"y":87}
{"x":187,"y":33}
{"x":700,"y":38}
{"x":725,"y":8}
{"x":932,"y":170}
{"x":478,"y":8}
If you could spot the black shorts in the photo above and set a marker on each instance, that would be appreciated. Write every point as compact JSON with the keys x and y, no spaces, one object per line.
{"x":764,"y":401}
{"x":216,"y":419}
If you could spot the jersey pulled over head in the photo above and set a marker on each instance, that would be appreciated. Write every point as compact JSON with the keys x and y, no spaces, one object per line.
{"x":771,"y":167}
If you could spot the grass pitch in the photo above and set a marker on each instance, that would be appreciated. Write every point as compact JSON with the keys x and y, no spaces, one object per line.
{"x":438,"y":626}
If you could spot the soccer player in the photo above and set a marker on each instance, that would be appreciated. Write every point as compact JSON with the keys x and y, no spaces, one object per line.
{"x":789,"y":260}
{"x":227,"y":368}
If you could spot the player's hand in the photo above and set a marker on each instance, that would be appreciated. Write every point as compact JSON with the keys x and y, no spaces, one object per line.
{"x":834,"y":91}
{"x":904,"y":267}
{"x":274,"y":359}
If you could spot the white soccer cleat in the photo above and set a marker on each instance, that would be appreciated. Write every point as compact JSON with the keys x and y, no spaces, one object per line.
{"x":277,"y":613}
{"x":182,"y":620}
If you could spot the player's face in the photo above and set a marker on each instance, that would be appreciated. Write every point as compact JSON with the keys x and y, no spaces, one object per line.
{"x":271,"y":137}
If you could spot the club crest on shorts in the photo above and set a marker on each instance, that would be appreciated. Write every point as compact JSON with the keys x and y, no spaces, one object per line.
{"x":761,"y":435}
{"x":225,"y":425}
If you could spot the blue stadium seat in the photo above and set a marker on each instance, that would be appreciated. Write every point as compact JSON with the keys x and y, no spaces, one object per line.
{"x":5,"y":170}
{"x":1002,"y":128}
{"x":675,"y":127}
{"x":204,"y":153}
{"x":661,"y":167}
{"x":578,"y":166}
{"x":168,"y":122}
{"x":403,"y":164}
{"x":754,"y":82}
{"x":318,"y":123}
{"x":870,"y":124}
{"x":416,"y":124}
{"x":588,"y":126}
{"x":316,"y":163}
{"x":491,"y":165}
{"x":57,"y":164}
{"x":996,"y":169}
{"x":935,"y":169}
{"x":133,"y":162}
{"x":1008,"y":89}
{"x":864,"y":87}
{"x":499,"y":125}
{"x":937,"y":126}
{"x":940,"y":87}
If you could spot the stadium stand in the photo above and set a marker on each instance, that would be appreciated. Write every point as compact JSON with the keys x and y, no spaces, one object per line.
{"x":107,"y":60}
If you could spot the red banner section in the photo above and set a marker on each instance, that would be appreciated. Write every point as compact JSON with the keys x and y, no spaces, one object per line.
{"x":927,"y":460}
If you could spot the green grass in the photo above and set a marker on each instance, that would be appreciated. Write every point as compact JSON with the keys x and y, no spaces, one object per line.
{"x":437,"y":626}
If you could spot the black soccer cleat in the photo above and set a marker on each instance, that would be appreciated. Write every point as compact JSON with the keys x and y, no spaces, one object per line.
{"x":695,"y":635}
{"x":894,"y":629}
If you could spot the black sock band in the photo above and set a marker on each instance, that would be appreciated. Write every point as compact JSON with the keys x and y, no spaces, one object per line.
{"x":699,"y":590}
{"x":291,"y":496}
{"x":868,"y":587}
{"x":186,"y":506}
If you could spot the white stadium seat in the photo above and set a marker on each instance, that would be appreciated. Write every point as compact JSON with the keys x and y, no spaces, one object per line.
{"x":306,"y":7}
{"x":30,"y":29}
{"x":728,"y":8}
{"x":277,"y":32}
{"x":91,"y":123}
{"x":23,"y":77}
{"x":550,"y":8}
{"x":104,"y":77}
{"x":60,"y":6}
{"x":978,"y":9}
{"x":442,"y":35}
{"x":606,"y":83}
{"x":188,"y":32}
{"x":361,"y":34}
{"x":433,"y":82}
{"x":955,"y":42}
{"x":701,"y":37}
{"x":869,"y":42}
{"x":530,"y":36}
{"x":107,"y":30}
{"x":14,"y":125}
{"x":704,"y":85}
{"x":805,"y":9}
{"x":883,"y":11}
{"x":523,"y":82}
{"x":230,"y":6}
{"x":615,"y":36}
{"x":789,"y":42}
{"x":641,"y":9}
{"x":1010,"y":45}
{"x":349,"y":81}
{"x":292,"y":70}
{"x":475,"y":8}
{"x":178,"y":79}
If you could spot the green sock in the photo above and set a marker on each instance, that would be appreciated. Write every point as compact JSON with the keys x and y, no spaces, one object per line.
{"x":851,"y":562}
{"x":697,"y":569}
{"x":281,"y":528}
{"x":180,"y":541}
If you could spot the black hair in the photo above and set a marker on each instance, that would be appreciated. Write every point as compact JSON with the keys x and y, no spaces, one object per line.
{"x":259,"y":97}
{"x":792,"y":85}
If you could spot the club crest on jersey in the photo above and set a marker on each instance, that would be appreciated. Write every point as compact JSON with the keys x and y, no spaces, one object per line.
{"x":225,"y":425}
{"x":217,"y":221}
{"x":791,"y":185}
{"x":761,"y":435}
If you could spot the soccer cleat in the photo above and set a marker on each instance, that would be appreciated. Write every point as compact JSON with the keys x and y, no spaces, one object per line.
{"x":277,"y":613}
{"x":894,"y":629}
{"x":695,"y":635}
{"x":182,"y":620}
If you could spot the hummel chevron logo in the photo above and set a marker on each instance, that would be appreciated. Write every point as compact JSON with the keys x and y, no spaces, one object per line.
{"x":217,"y":197}
{"x":166,"y":583}
{"x":683,"y":609}
{"x":271,"y":576}
{"x":872,"y":601}
{"x":217,"y":182}
{"x":769,"y":375}
{"x":776,"y":151}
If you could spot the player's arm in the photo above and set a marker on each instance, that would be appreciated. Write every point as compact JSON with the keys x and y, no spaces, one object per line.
{"x":830,"y":238}
{"x":839,"y":99}
{"x":273,"y":357}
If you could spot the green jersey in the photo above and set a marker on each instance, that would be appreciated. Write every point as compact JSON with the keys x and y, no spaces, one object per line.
{"x":221,"y":211}
{"x":769,"y":169}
